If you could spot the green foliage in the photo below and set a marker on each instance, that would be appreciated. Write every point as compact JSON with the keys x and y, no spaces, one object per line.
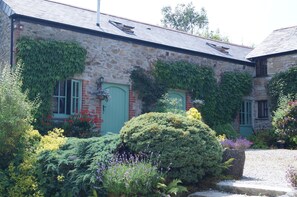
{"x":145,"y":84}
{"x":214,"y":35}
{"x":284,"y":119}
{"x":82,"y":125}
{"x":199,"y":81}
{"x":201,"y":84}
{"x":282,"y":84}
{"x":16,"y":115}
{"x":184,"y":18}
{"x":233,"y":87}
{"x":188,"y":147}
{"x":20,"y":178}
{"x":264,"y":139}
{"x":72,"y":169}
{"x":226,"y":129}
{"x":173,"y":188}
{"x":166,"y":104}
{"x":45,"y":62}
{"x":131,"y":179}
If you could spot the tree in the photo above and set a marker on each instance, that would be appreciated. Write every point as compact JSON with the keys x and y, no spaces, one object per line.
{"x":214,"y":35}
{"x":184,"y":18}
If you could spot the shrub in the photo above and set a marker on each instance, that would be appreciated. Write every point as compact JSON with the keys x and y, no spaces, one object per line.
{"x":282,"y":84}
{"x":71,"y":170}
{"x":285,"y":120}
{"x":130,"y":177}
{"x":264,"y":139}
{"x":166,"y":104}
{"x":239,"y":144}
{"x":188,"y":146}
{"x":194,"y":114}
{"x":16,"y":114}
{"x":226,"y":129}
{"x":20,"y":179}
{"x":81,"y":125}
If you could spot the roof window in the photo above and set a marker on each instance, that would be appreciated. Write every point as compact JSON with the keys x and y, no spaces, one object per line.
{"x":125,"y":28}
{"x":222,"y":49}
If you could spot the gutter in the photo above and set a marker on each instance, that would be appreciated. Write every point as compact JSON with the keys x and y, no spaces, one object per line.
{"x":123,"y":38}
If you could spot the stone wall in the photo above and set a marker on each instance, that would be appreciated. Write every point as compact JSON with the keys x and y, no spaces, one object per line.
{"x":114,"y":60}
{"x":275,"y":65}
{"x":5,"y":28}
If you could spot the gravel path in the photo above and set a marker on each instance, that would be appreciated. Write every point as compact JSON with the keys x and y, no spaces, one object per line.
{"x":268,"y":167}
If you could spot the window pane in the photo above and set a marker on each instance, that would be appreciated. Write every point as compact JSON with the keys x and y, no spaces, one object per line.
{"x":55,"y":105}
{"x":56,"y":89}
{"x":62,"y":88}
{"x":61,"y":106}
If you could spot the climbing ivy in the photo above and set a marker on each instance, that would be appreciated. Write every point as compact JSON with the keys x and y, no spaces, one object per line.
{"x":44,"y":62}
{"x":282,"y":84}
{"x":221,"y":100}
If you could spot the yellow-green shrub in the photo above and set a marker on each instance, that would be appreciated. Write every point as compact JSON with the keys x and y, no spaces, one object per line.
{"x":194,"y":114}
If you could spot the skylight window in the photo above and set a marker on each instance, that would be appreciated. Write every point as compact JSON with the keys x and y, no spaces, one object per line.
{"x":125,"y":28}
{"x":222,"y":49}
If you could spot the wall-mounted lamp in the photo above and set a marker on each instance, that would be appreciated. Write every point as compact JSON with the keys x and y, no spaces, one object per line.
{"x":99,"y":81}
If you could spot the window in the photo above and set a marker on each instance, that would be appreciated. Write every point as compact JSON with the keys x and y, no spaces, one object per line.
{"x":261,"y":68}
{"x":262,"y":109}
{"x":66,"y":98}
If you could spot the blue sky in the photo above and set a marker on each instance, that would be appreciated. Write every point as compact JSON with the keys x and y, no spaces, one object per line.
{"x":246,"y":22}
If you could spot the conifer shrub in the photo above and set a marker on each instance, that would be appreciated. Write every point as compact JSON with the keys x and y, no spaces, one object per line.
{"x":187,"y":146}
{"x":71,"y":170}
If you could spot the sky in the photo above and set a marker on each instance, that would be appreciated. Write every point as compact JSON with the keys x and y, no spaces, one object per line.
{"x":244,"y":22}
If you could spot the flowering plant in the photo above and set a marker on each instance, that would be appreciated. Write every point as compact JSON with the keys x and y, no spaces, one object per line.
{"x":239,"y":143}
{"x":194,"y":114}
{"x":103,"y":94}
{"x":81,"y":124}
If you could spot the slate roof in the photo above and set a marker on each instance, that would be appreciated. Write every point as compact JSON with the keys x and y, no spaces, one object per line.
{"x":83,"y":18}
{"x":279,"y":41}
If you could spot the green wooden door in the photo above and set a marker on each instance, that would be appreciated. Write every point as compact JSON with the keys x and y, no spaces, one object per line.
{"x":115,"y":110}
{"x":246,"y":128}
{"x":179,"y":97}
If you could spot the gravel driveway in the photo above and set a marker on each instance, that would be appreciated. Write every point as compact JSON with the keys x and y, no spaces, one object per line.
{"x":268,"y":167}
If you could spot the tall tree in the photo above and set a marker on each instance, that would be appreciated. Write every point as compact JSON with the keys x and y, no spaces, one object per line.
{"x":184,"y":18}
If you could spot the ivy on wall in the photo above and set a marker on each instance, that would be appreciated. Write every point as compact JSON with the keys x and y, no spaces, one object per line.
{"x":44,"y":62}
{"x":221,"y":101}
{"x":282,"y":84}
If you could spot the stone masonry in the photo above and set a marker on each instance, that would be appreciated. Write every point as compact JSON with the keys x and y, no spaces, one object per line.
{"x":4,"y":39}
{"x":114,"y":60}
{"x":275,"y":65}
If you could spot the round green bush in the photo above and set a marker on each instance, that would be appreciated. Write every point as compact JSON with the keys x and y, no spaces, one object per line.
{"x":189,"y":147}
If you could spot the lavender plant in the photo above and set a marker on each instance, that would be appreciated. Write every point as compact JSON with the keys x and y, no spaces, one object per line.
{"x":239,"y":143}
{"x":129,"y":175}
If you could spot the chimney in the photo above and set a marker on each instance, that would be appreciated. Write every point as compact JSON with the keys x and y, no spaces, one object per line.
{"x":98,"y":13}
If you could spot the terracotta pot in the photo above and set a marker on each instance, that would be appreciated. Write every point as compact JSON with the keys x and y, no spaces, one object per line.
{"x":236,"y":170}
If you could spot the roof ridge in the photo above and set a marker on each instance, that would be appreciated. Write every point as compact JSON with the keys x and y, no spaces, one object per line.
{"x":295,"y":26}
{"x":157,"y":26}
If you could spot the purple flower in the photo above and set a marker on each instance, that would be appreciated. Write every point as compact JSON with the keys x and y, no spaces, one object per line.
{"x":239,"y":143}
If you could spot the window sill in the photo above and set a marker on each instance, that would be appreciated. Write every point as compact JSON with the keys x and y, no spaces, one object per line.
{"x":262,"y":118}
{"x":264,"y":76}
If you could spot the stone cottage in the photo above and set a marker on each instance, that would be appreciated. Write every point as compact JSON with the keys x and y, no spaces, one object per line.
{"x":277,"y":53}
{"x":115,"y":45}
